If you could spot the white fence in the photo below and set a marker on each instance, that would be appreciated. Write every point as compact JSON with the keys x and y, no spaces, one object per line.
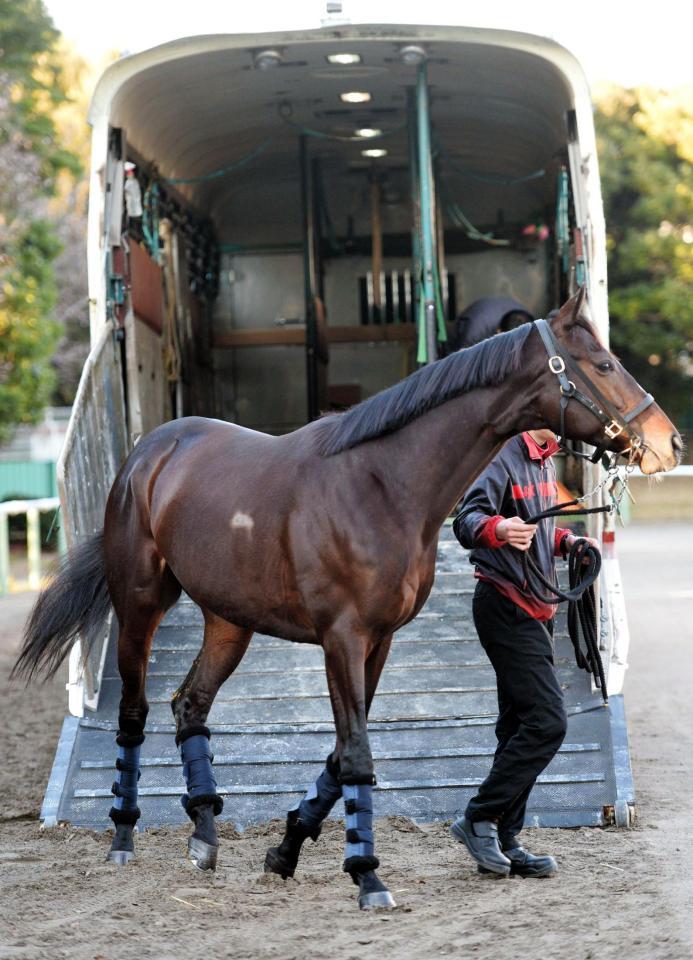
{"x":32,"y":509}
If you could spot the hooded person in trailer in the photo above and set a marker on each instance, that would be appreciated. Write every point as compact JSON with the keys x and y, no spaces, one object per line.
{"x":487,"y":316}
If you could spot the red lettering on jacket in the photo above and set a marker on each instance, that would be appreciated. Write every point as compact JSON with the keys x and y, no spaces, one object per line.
{"x":522,"y":492}
{"x":545,"y":488}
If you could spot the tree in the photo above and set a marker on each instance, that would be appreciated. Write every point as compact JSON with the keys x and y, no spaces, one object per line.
{"x":68,"y":209}
{"x":27,"y":332}
{"x":31,"y":159}
{"x":32,"y":71}
{"x":645,"y":142}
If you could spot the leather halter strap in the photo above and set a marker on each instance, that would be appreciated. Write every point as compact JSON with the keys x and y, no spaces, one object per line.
{"x":614,"y":422}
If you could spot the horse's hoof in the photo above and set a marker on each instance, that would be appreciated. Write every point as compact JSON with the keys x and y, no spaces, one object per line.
{"x":120,"y":857}
{"x":373,"y":894}
{"x":203,"y":855}
{"x":276,"y":863}
{"x":378,"y":900}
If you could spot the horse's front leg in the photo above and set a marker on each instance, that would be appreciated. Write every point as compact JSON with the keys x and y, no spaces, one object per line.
{"x":306,"y":818}
{"x":346,"y":650}
{"x":222,"y":650}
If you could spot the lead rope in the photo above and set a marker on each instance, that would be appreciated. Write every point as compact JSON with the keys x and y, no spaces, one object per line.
{"x":584,"y":565}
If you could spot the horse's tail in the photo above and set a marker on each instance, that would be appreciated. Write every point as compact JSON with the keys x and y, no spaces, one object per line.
{"x":76,"y":603}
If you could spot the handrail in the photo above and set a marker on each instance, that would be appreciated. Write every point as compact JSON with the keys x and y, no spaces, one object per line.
{"x":96,"y":444}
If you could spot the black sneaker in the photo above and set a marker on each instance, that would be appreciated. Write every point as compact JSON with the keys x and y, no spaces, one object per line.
{"x":481,"y":840}
{"x":525,"y":864}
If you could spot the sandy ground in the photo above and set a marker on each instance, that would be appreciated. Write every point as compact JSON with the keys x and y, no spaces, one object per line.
{"x":619,"y":894}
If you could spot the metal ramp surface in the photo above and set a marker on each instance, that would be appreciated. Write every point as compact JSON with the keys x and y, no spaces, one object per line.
{"x":431,"y":726}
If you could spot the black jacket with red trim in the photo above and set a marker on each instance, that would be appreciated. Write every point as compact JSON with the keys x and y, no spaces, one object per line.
{"x":519,"y":482}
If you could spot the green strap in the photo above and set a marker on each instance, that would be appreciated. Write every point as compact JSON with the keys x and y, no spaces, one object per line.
{"x":421,"y":353}
{"x":150,"y":219}
{"x":286,"y":114}
{"x":222,"y":171}
{"x":562,"y":221}
{"x":440,"y":311}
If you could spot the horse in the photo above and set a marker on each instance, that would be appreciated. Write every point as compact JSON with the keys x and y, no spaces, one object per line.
{"x":326,"y":535}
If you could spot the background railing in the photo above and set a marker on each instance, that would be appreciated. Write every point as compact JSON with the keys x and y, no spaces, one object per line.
{"x":32,"y":510}
{"x":667,"y":498}
{"x":96,"y":444}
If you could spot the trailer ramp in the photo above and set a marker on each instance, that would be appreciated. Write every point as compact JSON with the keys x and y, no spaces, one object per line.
{"x":431,"y":727}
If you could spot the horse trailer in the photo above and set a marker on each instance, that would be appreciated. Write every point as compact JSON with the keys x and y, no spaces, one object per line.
{"x":283,"y":224}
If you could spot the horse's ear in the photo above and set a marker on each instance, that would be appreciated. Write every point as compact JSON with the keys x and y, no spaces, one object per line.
{"x":579,"y":300}
{"x":573,"y":310}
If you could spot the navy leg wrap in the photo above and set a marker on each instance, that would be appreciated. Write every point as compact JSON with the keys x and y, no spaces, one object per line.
{"x":124,"y":789}
{"x":358,"y":806}
{"x":197,"y":759}
{"x":319,"y":800}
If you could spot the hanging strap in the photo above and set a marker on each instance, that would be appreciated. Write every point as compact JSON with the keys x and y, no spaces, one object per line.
{"x":584,"y":565}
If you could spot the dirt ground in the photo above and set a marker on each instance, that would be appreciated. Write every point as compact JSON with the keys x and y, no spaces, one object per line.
{"x":619,"y":894}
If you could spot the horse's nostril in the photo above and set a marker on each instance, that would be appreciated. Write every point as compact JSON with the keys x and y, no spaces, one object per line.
{"x":677,"y":443}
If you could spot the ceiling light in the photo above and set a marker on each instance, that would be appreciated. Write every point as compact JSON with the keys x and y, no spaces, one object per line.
{"x":343,"y":59}
{"x":355,"y":96}
{"x":367,"y":132}
{"x":374,"y":153}
{"x":267,"y":59}
{"x":412,"y":54}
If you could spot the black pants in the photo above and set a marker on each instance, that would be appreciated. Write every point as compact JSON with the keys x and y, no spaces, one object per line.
{"x":532,"y":721}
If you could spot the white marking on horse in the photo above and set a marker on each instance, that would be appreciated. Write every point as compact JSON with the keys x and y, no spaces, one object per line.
{"x":242,"y":521}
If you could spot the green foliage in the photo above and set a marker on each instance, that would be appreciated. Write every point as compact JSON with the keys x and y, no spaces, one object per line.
{"x":31,"y":158}
{"x":32,"y":68}
{"x":28,"y":335}
{"x":647,"y":179}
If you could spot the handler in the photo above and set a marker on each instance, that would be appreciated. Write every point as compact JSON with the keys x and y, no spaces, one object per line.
{"x":516,"y":631}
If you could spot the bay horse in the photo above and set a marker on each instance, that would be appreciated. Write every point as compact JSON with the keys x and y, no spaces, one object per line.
{"x":326,"y":535}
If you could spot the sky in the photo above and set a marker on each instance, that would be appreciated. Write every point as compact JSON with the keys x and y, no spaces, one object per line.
{"x":630,"y":43}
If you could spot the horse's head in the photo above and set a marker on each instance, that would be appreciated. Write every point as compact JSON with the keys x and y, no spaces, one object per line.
{"x":601,"y":402}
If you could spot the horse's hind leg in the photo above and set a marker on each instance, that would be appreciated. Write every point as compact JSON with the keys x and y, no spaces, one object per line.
{"x":305,"y":819}
{"x":222,"y":650}
{"x":140,"y":600}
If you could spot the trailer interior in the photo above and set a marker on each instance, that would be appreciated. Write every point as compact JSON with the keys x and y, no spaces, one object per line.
{"x":317,"y":212}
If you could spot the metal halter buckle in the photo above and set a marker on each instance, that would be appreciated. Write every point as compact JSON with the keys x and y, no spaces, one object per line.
{"x":613,"y":430}
{"x":570,"y":391}
{"x":555,"y":369}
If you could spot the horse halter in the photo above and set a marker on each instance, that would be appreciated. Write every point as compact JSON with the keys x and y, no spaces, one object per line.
{"x":614,"y":422}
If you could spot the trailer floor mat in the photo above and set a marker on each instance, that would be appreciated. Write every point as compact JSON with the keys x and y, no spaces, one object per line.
{"x":431,"y":727}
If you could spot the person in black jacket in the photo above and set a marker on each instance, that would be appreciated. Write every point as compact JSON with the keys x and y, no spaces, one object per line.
{"x":516,"y":631}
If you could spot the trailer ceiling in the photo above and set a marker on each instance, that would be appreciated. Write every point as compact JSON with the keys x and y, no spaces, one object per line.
{"x":497,"y":112}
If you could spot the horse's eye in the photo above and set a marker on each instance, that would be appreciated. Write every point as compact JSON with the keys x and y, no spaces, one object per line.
{"x":605,"y":366}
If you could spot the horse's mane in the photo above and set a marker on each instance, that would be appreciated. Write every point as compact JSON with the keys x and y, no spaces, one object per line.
{"x":483,"y":365}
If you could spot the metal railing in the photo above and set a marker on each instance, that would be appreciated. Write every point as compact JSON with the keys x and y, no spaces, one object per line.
{"x":32,"y":510}
{"x":96,"y":444}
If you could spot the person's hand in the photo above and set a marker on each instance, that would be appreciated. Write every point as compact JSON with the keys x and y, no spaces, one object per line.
{"x":516,"y":532}
{"x":571,"y":538}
